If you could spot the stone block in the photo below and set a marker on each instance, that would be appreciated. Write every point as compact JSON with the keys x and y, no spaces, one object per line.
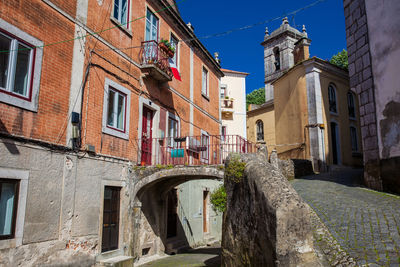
{"x":361,"y":42}
{"x":369,"y":118}
{"x":352,"y":48}
{"x":369,"y":108}
{"x":352,"y":58}
{"x":362,"y":20}
{"x":362,"y":110}
{"x":370,"y":143}
{"x":366,"y":60}
{"x":349,"y":20}
{"x":352,"y":69}
{"x":353,"y":6}
{"x":361,"y":31}
{"x":364,"y":98}
{"x":362,"y":51}
{"x":274,"y":222}
{"x":372,"y":129}
{"x":371,"y":96}
{"x":364,"y":131}
{"x":367,"y":73}
{"x":345,"y":4}
{"x":359,"y":65}
{"x":367,"y":85}
{"x":356,"y":14}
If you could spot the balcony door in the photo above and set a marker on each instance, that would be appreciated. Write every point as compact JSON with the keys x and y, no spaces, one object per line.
{"x":151,"y":27}
{"x":147,"y":126}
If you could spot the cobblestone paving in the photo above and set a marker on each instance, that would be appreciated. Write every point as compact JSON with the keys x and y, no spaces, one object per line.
{"x":366,"y":223}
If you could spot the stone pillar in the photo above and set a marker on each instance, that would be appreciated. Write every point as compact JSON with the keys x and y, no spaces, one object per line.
{"x":274,"y":159}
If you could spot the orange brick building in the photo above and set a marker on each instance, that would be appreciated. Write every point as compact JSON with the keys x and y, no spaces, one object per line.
{"x":84,"y":87}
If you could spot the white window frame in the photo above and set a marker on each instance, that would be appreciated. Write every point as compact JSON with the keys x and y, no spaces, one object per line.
{"x":171,"y":142}
{"x":207,"y":151}
{"x":111,"y":85}
{"x":119,"y":19}
{"x":205,"y":91}
{"x":23,"y":177}
{"x":30,"y":101}
{"x":151,"y":38}
{"x":224,"y":88}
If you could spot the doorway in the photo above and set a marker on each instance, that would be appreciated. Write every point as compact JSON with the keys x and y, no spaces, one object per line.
{"x":335,"y":143}
{"x":110,"y":218}
{"x":172,"y":213}
{"x":205,"y":211}
{"x":147,"y":127}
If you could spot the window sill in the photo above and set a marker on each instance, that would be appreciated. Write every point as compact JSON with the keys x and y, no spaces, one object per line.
{"x":116,"y":133}
{"x":122,"y":27}
{"x":206,"y":97}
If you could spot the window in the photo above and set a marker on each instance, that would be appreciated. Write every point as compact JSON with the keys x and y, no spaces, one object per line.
{"x":353,"y":138}
{"x":116,"y":109}
{"x":332,"y":98}
{"x":350,"y":104}
{"x":121,"y":11}
{"x":8,"y":207}
{"x":223,"y":91}
{"x":151,"y":26}
{"x":172,"y":130}
{"x":204,"y":146}
{"x":16,"y":66}
{"x":260,"y":130}
{"x":204,"y":84}
{"x":277,"y":62}
{"x":173,"y":62}
{"x":20,"y":67}
{"x":223,"y":133}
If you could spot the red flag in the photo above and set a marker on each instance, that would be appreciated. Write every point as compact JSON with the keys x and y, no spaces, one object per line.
{"x":175,"y":72}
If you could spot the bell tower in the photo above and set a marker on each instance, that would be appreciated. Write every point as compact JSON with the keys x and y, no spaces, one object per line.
{"x":279,"y":48}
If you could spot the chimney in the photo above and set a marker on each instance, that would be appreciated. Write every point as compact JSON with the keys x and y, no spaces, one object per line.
{"x":301,"y":50}
{"x":190,"y":26}
{"x":216,"y":56}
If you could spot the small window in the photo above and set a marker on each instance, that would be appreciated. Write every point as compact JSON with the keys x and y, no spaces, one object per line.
{"x":121,"y":11}
{"x":173,"y":127}
{"x":332,"y":98}
{"x":260,"y":130}
{"x":16,"y":66}
{"x":204,"y":84}
{"x":116,"y":109}
{"x":223,"y":91}
{"x":351,"y":106}
{"x":204,"y":147}
{"x":8,"y":207}
{"x":353,"y":138}
{"x":277,"y":58}
{"x":173,"y":62}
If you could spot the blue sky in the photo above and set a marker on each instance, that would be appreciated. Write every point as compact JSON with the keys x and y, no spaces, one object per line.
{"x":241,"y":50}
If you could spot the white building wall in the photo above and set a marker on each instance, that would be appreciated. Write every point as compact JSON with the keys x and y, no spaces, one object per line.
{"x":236,"y":89}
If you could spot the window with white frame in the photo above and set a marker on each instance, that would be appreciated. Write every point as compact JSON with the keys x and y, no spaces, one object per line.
{"x":20,"y":67}
{"x":151,"y":26}
{"x":8,"y":207}
{"x":353,"y":138}
{"x":223,"y":91}
{"x":173,"y":130}
{"x":204,"y":84}
{"x":116,"y":109}
{"x":16,"y":65}
{"x":173,"y":62}
{"x":350,"y":104}
{"x":121,"y":11}
{"x":205,"y":139}
{"x":332,"y":98}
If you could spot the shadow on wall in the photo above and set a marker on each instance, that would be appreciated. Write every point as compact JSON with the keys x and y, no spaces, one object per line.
{"x":10,"y":145}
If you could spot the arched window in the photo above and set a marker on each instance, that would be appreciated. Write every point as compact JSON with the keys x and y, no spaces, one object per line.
{"x":332,"y":98}
{"x":350,"y":105}
{"x":277,"y":62}
{"x":260,"y":130}
{"x":353,"y":138}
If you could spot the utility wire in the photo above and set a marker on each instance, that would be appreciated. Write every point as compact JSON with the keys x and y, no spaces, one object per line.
{"x":93,"y":34}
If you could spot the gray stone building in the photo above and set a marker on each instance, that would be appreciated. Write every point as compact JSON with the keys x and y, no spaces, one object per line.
{"x":373,"y":43}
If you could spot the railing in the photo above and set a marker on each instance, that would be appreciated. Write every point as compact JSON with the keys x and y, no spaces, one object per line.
{"x":151,"y":54}
{"x":227,"y":103}
{"x":190,"y":150}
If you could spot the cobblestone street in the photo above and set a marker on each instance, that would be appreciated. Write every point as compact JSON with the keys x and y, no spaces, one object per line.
{"x":366,"y":223}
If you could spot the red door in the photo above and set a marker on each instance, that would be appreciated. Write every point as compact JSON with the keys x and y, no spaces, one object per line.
{"x":147,"y":124}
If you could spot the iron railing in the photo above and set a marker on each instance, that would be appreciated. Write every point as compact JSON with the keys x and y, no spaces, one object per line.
{"x":151,"y":54}
{"x":190,"y":150}
{"x":227,"y":103}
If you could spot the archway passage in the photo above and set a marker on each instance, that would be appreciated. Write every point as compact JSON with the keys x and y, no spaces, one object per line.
{"x":175,"y":211}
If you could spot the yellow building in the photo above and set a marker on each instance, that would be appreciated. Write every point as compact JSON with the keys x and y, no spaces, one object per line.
{"x":310,"y":112}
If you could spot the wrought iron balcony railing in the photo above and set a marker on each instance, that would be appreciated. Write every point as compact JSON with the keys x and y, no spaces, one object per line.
{"x":154,"y":61}
{"x":190,"y":150}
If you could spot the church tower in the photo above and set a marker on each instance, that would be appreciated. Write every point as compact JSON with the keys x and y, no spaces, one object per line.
{"x":282,"y":49}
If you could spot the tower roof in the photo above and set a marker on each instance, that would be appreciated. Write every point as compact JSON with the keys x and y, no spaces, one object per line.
{"x":284,"y":29}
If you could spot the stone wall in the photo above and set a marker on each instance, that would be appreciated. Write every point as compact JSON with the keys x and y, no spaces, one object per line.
{"x":266,"y":223}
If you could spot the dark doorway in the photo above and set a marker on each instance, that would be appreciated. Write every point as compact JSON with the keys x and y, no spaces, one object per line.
{"x":110,"y":218}
{"x":147,"y":125}
{"x":172,"y":213}
{"x":334,"y":142}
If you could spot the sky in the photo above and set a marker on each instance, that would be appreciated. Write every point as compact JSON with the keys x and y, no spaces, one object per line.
{"x":241,"y":50}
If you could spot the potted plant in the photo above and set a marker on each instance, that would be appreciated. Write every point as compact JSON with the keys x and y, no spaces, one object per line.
{"x":166,"y":47}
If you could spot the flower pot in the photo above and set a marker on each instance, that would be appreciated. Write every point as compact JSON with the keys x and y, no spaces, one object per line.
{"x":170,"y":53}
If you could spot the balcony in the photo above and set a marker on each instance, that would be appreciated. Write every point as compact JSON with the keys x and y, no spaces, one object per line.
{"x":190,"y":150}
{"x":227,"y":105}
{"x":154,"y":61}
